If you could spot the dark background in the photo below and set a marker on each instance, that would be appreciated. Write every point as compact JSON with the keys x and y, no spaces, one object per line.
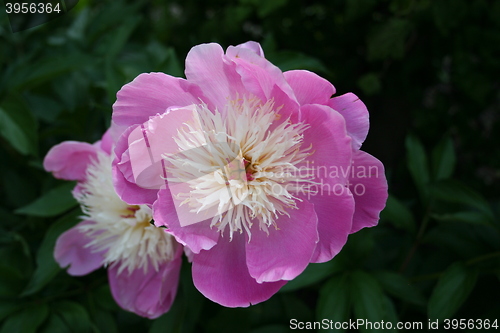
{"x":428,"y":72}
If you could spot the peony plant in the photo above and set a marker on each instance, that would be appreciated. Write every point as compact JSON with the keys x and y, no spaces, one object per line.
{"x":143,"y":262}
{"x":256,"y":171}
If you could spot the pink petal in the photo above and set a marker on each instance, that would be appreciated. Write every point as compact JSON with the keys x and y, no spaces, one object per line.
{"x":148,"y":294}
{"x":106,"y":143}
{"x":286,"y":252}
{"x":206,"y":67}
{"x":71,"y":250}
{"x":197,"y":237}
{"x":254,"y":46}
{"x":69,"y":160}
{"x":309,"y":88}
{"x":369,"y":187}
{"x":150,"y":141}
{"x":356,"y":116}
{"x":335,"y":210}
{"x":150,"y":94}
{"x":258,"y":75}
{"x":123,"y":180}
{"x":331,"y":146}
{"x":221,"y":274}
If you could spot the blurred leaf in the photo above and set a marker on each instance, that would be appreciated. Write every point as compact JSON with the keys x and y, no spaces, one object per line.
{"x":457,"y":238}
{"x":313,"y":274}
{"x":399,"y":287}
{"x":171,"y":64}
{"x":105,"y":322}
{"x":50,"y":67}
{"x":47,"y":268}
{"x":265,"y":7}
{"x":417,"y":164}
{"x":369,"y":301}
{"x":74,"y":315}
{"x":15,"y":266}
{"x":398,"y":214}
{"x":18,"y":126}
{"x":120,"y":37}
{"x":289,"y":60}
{"x":272,"y":329}
{"x":296,"y":308}
{"x":52,"y":203}
{"x":334,"y":300}
{"x":77,"y":29}
{"x":8,"y":307}
{"x":451,"y":291}
{"x":466,"y":216}
{"x":370,"y":84}
{"x":10,"y":283}
{"x":104,"y":299}
{"x":55,"y":324}
{"x":18,"y":187}
{"x":448,"y":14}
{"x":388,"y":40}
{"x":43,"y":107}
{"x":27,"y":320}
{"x":443,"y":159}
{"x":455,"y":192}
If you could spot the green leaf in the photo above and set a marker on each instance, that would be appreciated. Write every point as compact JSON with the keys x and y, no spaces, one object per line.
{"x":52,"y":203}
{"x":103,"y":298}
{"x":272,"y":329}
{"x":454,"y":191}
{"x":27,"y":320}
{"x":466,"y":216}
{"x":265,"y":7}
{"x":296,"y":308}
{"x":312,"y":274}
{"x":50,"y":67}
{"x":15,"y":266}
{"x":399,"y":287}
{"x":172,"y":320}
{"x":398,"y":214}
{"x":104,"y":321}
{"x":47,"y":268}
{"x":369,"y":301}
{"x":451,"y":291}
{"x":443,"y":159}
{"x":334,"y":300}
{"x":289,"y":60}
{"x":18,"y":126}
{"x":369,"y":83}
{"x":120,"y":37}
{"x":171,"y":64}
{"x":8,"y":307}
{"x":417,"y":164}
{"x":74,"y":315}
{"x":388,"y":40}
{"x":55,"y":324}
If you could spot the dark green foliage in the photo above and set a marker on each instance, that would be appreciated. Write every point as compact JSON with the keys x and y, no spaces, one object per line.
{"x":428,"y":72}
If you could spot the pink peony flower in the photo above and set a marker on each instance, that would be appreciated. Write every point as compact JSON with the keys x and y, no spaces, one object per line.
{"x":143,"y":261}
{"x":256,"y":171}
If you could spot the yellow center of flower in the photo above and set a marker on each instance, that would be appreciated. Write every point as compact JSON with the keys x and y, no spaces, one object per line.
{"x":242,"y":163}
{"x":123,"y":231}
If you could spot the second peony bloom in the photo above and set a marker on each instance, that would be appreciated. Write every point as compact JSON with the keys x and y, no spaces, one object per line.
{"x":257,"y":171}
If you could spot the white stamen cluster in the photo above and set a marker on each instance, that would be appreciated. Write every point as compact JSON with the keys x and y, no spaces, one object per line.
{"x":243,"y":162}
{"x":123,"y":231}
